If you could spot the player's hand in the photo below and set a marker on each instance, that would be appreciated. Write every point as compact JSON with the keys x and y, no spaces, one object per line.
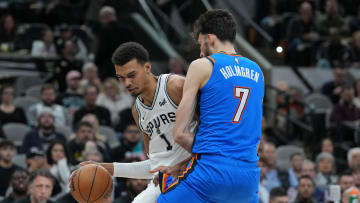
{"x":156,"y":180}
{"x":84,"y":163}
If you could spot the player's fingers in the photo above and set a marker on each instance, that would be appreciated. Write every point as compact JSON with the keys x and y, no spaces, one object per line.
{"x":84,"y":163}
{"x":156,"y":180}
{"x":160,"y":168}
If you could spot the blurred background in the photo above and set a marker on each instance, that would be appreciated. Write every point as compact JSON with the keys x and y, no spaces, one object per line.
{"x":61,"y":104}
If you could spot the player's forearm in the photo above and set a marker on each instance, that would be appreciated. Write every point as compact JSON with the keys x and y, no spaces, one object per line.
{"x":185,"y":140}
{"x":139,"y":170}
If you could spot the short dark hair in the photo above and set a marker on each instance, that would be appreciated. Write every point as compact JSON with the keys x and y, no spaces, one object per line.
{"x":41,"y":172}
{"x":295,"y":154}
{"x":129,"y":51}
{"x":347,"y":172}
{"x":84,"y":123}
{"x":218,"y":22}
{"x":277,"y":192}
{"x":19,"y":170}
{"x":91,"y":86}
{"x":7,"y":143}
{"x":306,"y":177}
{"x":47,"y":86}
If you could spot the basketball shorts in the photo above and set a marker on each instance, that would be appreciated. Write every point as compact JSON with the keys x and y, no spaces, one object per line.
{"x":149,"y":195}
{"x":212,"y":178}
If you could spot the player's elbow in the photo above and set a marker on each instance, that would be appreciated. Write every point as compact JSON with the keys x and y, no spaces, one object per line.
{"x":178,"y":136}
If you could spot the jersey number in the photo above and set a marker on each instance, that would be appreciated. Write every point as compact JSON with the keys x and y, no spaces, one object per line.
{"x":243,"y":94}
{"x":169,"y":147}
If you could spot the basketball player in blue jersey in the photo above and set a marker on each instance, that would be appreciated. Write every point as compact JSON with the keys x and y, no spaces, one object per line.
{"x":224,"y":164}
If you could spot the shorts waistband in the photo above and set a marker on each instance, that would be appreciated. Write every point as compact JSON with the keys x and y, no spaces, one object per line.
{"x":220,"y":159}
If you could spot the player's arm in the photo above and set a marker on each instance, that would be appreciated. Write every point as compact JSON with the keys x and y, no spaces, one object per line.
{"x":198,"y":74}
{"x":138,"y":170}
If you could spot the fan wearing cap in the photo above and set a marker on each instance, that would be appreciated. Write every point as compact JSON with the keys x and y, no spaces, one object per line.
{"x":41,"y":136}
{"x":35,"y":159}
{"x":7,"y":167}
{"x":72,"y":99}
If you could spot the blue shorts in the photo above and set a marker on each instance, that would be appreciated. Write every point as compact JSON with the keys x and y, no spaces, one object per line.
{"x":212,"y":178}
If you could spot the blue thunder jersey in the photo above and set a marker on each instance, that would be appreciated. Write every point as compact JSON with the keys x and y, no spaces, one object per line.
{"x":231,"y":109}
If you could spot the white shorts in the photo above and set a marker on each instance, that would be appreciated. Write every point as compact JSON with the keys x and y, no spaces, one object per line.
{"x":149,"y":195}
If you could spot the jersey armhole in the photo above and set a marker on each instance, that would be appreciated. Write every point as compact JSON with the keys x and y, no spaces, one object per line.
{"x":211,"y":59}
{"x":139,"y":117}
{"x":166,"y":92}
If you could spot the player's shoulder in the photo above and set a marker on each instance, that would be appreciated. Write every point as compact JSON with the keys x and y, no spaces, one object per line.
{"x":175,"y":81}
{"x":203,"y":62}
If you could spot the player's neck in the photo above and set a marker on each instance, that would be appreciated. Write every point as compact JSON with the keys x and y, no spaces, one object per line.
{"x":225,"y":47}
{"x":148,"y":94}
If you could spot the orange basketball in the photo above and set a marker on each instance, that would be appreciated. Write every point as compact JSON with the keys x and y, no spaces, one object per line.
{"x":91,"y":183}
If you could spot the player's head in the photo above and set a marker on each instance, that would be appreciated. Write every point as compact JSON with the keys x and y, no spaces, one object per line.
{"x":131,"y":61}
{"x":212,"y":27}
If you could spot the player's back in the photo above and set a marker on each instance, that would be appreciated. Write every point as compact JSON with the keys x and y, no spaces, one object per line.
{"x":231,"y":109}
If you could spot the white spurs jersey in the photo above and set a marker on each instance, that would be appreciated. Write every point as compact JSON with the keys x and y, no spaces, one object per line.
{"x":158,"y":121}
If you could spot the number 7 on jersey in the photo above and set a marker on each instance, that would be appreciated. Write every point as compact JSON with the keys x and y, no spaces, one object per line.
{"x":243,"y":94}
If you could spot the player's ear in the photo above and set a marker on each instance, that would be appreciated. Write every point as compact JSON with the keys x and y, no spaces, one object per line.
{"x":147,"y":67}
{"x":211,"y":39}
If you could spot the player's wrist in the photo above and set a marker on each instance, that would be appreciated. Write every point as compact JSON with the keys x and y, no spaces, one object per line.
{"x":109,"y":167}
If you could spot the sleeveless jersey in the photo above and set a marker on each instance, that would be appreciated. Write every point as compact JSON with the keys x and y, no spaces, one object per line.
{"x":158,"y":121}
{"x":231,"y":109}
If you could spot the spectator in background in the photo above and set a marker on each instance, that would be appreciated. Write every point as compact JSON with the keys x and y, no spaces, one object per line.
{"x":357,"y":94}
{"x":41,"y":184}
{"x":263,"y":192}
{"x":345,"y":110}
{"x":48,"y":95}
{"x":306,"y":190}
{"x":327,"y":146}
{"x":296,"y":160}
{"x":302,"y":37}
{"x":19,"y":183}
{"x":346,"y":195}
{"x":353,"y":158}
{"x":346,"y":180}
{"x":325,"y":166}
{"x":44,"y":47}
{"x":130,"y":144}
{"x":66,"y":63}
{"x":114,"y":98}
{"x":307,"y":169}
{"x":103,"y":115}
{"x":84,"y":141}
{"x":90,"y":76}
{"x":72,"y":99}
{"x":8,"y":112}
{"x":278,"y":195}
{"x":354,"y":57}
{"x":333,"y":89}
{"x":91,"y":118}
{"x":332,"y":19}
{"x":41,"y":136}
{"x":356,"y":176}
{"x":66,"y":34}
{"x":333,"y":52}
{"x":35,"y":159}
{"x":93,"y":155}
{"x":7,"y":32}
{"x":110,"y":34}
{"x":58,"y":159}
{"x":7,"y":167}
{"x":274,"y":177}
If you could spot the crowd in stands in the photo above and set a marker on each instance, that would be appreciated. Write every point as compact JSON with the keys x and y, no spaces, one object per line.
{"x":83,"y":113}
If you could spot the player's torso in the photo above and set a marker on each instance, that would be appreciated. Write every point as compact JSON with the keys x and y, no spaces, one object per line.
{"x":158,"y":121}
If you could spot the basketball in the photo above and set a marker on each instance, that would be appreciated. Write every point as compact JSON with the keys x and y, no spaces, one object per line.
{"x":91,"y":183}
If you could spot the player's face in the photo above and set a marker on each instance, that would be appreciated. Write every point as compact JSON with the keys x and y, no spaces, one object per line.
{"x":133,"y":76}
{"x":204,"y":45}
{"x":40,"y":189}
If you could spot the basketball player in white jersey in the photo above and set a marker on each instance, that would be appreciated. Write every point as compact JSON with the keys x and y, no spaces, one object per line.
{"x":154,"y":112}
